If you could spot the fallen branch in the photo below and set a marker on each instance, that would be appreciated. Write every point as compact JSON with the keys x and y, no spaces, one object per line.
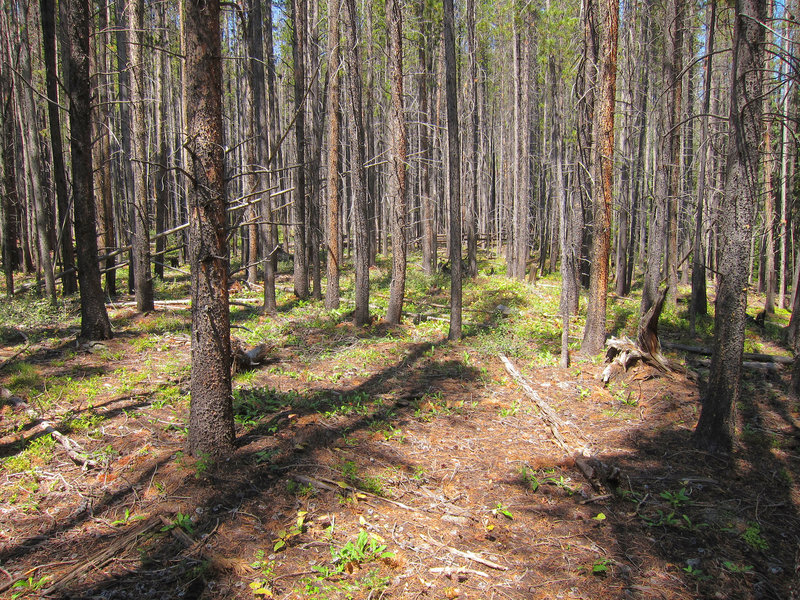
{"x":766,"y":367}
{"x":450,"y":571}
{"x":468,"y":555}
{"x":73,"y":449}
{"x":748,"y":356}
{"x":332,"y":486}
{"x":220,"y":563}
{"x":104,"y":556}
{"x":549,"y":416}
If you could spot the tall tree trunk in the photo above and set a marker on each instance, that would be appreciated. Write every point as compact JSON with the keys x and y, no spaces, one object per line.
{"x":715,"y":428}
{"x":595,"y":331}
{"x":426,"y":147}
{"x":94,"y":319}
{"x":454,"y":171}
{"x":334,"y":81}
{"x":674,"y":157}
{"x":361,"y":226}
{"x":397,"y":174}
{"x":9,"y":198}
{"x":699,"y":301}
{"x":142,"y":277}
{"x":162,"y":176}
{"x":786,"y":153}
{"x":769,"y":200}
{"x":471,"y":208}
{"x":259,"y":147}
{"x":271,"y":229}
{"x":664,"y":222}
{"x":33,"y":159}
{"x":69,"y":280}
{"x":211,"y":412}
{"x":299,"y":214}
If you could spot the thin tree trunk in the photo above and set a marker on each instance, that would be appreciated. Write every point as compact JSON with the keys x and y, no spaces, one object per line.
{"x":33,"y":159}
{"x":48,"y":15}
{"x":271,"y":228}
{"x":471,"y":212}
{"x":397,"y":174}
{"x":334,"y":250}
{"x":361,"y":226}
{"x":699,"y":301}
{"x":299,"y":213}
{"x":10,"y":199}
{"x":142,"y":277}
{"x":454,"y":172}
{"x":94,"y":319}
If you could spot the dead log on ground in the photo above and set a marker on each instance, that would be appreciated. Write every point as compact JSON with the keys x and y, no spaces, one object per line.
{"x":747,"y":356}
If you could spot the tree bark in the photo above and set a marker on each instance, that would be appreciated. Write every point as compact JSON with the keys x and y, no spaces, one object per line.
{"x":211,"y":428}
{"x":259,"y":147}
{"x":33,"y":160}
{"x":271,"y":227}
{"x":715,"y":429}
{"x":699,"y":300}
{"x":595,"y":331}
{"x":397,"y":175}
{"x":48,"y":16}
{"x":10,"y":198}
{"x":471,"y":208}
{"x":360,"y":209}
{"x":334,"y":126}
{"x":299,"y":212}
{"x":94,"y":319}
{"x":454,"y":171}
{"x":142,"y":276}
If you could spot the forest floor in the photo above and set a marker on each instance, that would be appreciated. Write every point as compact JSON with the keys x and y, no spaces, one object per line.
{"x":387,"y":462}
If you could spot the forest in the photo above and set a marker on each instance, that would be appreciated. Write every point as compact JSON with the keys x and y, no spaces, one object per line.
{"x":360,"y":299}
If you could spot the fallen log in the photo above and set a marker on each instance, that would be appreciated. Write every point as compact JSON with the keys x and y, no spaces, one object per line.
{"x":747,"y":356}
{"x":766,"y":367}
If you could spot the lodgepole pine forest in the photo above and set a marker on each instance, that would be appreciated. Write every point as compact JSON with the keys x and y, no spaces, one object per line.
{"x":341,"y":299}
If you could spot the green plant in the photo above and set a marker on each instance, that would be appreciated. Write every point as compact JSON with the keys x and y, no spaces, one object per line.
{"x":28,"y":585}
{"x":510,"y":412}
{"x":127,"y":518}
{"x":181,"y":520}
{"x":501,"y":509}
{"x":365,"y":548}
{"x":600,"y":567}
{"x":199,"y":466}
{"x":734,"y":568}
{"x":661,"y":519}
{"x":284,"y":535}
{"x":753,"y":538}
{"x":267,"y":455}
{"x":676,"y":499}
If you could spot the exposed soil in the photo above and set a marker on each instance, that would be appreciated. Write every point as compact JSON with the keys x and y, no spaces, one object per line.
{"x":438,"y":455}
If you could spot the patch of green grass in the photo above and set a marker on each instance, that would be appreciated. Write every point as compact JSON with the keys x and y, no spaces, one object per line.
{"x":24,"y":379}
{"x":38,"y":452}
{"x":753,"y":538}
{"x":84,"y":422}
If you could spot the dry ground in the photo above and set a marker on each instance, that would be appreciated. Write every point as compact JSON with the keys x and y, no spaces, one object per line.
{"x":387,"y":463}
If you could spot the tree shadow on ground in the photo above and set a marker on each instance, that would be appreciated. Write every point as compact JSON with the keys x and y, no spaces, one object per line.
{"x":222,"y":490}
